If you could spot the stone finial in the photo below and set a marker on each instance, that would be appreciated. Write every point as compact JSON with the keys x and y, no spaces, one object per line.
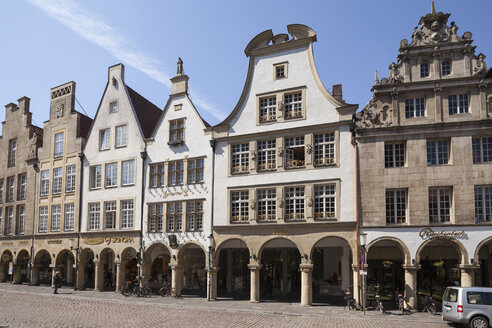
{"x":180,"y":67}
{"x":433,"y":8}
{"x":376,"y":78}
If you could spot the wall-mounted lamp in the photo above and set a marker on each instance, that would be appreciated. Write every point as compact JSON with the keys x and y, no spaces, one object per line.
{"x":254,"y":257}
{"x":70,"y":243}
{"x":54,"y":255}
{"x":118,"y":256}
{"x":363,"y":240}
{"x":305,"y":256}
{"x":174,"y":257}
{"x":413,"y":261}
{"x":15,"y":252}
{"x":472,"y":261}
{"x":97,"y":256}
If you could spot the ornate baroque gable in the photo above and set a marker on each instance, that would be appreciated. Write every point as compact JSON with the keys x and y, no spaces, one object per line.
{"x":373,"y":117}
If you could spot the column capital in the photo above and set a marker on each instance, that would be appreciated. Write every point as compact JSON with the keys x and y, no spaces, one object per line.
{"x":175,"y":267}
{"x":469,"y":267}
{"x":254,"y":267}
{"x":410,"y":267}
{"x":96,"y":262}
{"x":306,"y":267}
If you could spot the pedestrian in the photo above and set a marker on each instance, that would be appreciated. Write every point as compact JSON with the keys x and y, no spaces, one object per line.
{"x":56,"y":282}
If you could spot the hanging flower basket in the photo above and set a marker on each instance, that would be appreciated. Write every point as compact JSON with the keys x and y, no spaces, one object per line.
{"x":387,"y":263}
{"x":438,"y":264}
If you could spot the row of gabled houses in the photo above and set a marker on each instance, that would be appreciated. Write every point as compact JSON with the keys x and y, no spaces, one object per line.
{"x":294,"y":195}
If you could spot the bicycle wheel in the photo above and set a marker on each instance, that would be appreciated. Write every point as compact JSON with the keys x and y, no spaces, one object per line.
{"x":162,"y":292}
{"x":148,"y":292}
{"x":431,"y":308}
{"x":126,"y":291}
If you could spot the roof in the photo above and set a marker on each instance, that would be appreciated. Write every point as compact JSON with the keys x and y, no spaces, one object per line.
{"x":147,"y":113}
{"x":84,"y":125}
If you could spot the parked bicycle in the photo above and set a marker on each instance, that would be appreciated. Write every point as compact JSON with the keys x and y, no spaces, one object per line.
{"x":401,"y":303}
{"x":428,"y":305}
{"x":167,"y":290}
{"x":133,"y":288}
{"x":379,"y":304}
{"x":351,"y":303}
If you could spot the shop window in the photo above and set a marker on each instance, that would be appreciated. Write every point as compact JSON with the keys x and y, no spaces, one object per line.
{"x":239,"y":206}
{"x":437,"y":152}
{"x":324,"y":149}
{"x":414,"y":107}
{"x":483,"y":204}
{"x":394,"y":155}
{"x":240,"y":158}
{"x":396,"y":206}
{"x":294,"y":152}
{"x":440,"y":201}
{"x":325,"y":201}
{"x":294,"y":203}
{"x":268,"y":109}
{"x":267,"y":155}
{"x":482,"y":149}
{"x":267,"y":205}
{"x":458,"y":104}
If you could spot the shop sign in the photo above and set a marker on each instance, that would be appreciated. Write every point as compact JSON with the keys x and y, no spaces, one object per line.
{"x":428,"y":233}
{"x":7,"y":243}
{"x":54,"y":241}
{"x":24,"y":242}
{"x":175,"y":193}
{"x":108,"y":240}
{"x":280,"y":232}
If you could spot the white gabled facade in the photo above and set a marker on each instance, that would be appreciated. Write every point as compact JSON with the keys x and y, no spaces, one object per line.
{"x":112,"y":183}
{"x":178,"y":194}
{"x":284,"y":172}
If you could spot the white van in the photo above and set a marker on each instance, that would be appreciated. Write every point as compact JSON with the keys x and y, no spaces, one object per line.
{"x":468,"y":305}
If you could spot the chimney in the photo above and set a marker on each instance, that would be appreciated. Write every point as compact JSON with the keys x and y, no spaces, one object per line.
{"x":24,"y":103}
{"x":337,"y":92}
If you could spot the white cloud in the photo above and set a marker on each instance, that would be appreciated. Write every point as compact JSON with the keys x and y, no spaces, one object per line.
{"x":107,"y":37}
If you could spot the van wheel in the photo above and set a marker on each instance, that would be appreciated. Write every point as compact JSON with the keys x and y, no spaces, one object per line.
{"x":479,"y":322}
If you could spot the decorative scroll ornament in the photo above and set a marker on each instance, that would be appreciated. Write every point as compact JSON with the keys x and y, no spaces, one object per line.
{"x":253,"y":156}
{"x":309,"y":149}
{"x":310,"y":201}
{"x":372,"y":116}
{"x":252,"y":204}
{"x":280,"y":152}
{"x":280,"y":106}
{"x":280,"y":202}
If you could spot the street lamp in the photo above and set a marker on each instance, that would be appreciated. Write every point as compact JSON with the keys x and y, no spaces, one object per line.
{"x":363,"y":272}
{"x":211,"y":251}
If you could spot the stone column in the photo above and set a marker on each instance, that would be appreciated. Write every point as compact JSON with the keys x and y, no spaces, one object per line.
{"x":81,"y":274}
{"x":53,"y":270}
{"x":119,"y":278}
{"x":396,"y":107}
{"x":467,"y":275}
{"x":98,"y":279}
{"x":285,"y":287}
{"x":355,"y":284}
{"x":229,"y":271}
{"x":212,"y":275}
{"x":255,"y":282}
{"x":34,"y":274}
{"x":345,"y":268}
{"x":306,"y":284}
{"x":411,"y":285}
{"x":2,"y":272}
{"x":438,"y":103}
{"x":69,"y":265}
{"x":16,"y":271}
{"x":176,"y":278}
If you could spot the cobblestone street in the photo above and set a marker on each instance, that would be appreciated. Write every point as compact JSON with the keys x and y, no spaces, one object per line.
{"x":22,"y":306}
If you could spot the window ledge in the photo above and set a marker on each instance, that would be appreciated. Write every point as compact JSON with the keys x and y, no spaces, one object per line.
{"x":176,"y":143}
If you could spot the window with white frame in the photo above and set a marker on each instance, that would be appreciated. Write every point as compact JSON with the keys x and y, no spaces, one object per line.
{"x":267,"y":156}
{"x":195,"y":170}
{"x":294,"y":203}
{"x":126,"y":218}
{"x":394,"y":154}
{"x":111,"y":175}
{"x":58,"y":147}
{"x":396,"y":206}
{"x":482,"y":149}
{"x":57,"y":180}
{"x":157,"y":175}
{"x":324,"y":149}
{"x":120,"y":136}
{"x":95,"y":176}
{"x":12,"y":153}
{"x":267,"y":204}
{"x":424,"y":70}
{"x":127,"y":172}
{"x":1,"y":191}
{"x":110,"y":215}
{"x":414,"y":107}
{"x":280,"y":71}
{"x":268,"y":109}
{"x":239,"y":206}
{"x":176,"y":131}
{"x":70,"y":172}
{"x":294,"y":152}
{"x":55,"y":217}
{"x":440,"y":201}
{"x":458,"y":104}
{"x":483,"y":204}
{"x":104,"y":139}
{"x":21,"y":219}
{"x":445,"y":68}
{"x":325,"y":202}
{"x":174,"y":216}
{"x":11,"y":189}
{"x":45,"y":183}
{"x":10,"y":221}
{"x":437,"y":152}
{"x":240,"y":158}
{"x":113,"y":106}
{"x":43,"y":219}
{"x":293,"y":105}
{"x":195,"y":215}
{"x":69,"y":217}
{"x":94,"y":216}
{"x":22,"y":187}
{"x":176,"y":173}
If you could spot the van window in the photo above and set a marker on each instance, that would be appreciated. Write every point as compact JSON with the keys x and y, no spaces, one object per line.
{"x":488,"y":298}
{"x":474,"y":297}
{"x":450,"y":295}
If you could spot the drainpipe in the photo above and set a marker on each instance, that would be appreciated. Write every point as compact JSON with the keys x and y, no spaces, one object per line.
{"x":211,"y":249}
{"x":143,"y":155}
{"x":81,"y":193}
{"x":36,"y":170}
{"x":357,"y":208}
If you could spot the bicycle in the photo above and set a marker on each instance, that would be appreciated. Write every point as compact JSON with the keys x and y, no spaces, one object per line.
{"x":166,"y":290}
{"x":429,"y":305}
{"x":351,"y":303}
{"x":132,"y":288}
{"x":379,"y":304}
{"x":401,"y":304}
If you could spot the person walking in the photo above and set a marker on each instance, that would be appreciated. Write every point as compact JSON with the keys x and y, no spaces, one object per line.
{"x":56,"y":282}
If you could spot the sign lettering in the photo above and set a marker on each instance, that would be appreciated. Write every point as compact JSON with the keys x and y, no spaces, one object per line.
{"x":428,"y":233}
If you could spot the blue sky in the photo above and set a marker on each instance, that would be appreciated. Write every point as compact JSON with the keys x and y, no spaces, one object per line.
{"x":46,"y":43}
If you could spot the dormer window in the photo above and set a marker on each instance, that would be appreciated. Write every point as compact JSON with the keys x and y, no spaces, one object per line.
{"x":445,"y":68}
{"x":424,"y":70}
{"x":279,"y":71}
{"x":176,"y":131}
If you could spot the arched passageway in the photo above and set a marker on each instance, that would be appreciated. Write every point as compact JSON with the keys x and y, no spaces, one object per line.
{"x":156,"y":266}
{"x":280,"y":277}
{"x":42,"y":271}
{"x":86,"y":269}
{"x":194,"y":278}
{"x":21,"y":268}
{"x":107,"y":267}
{"x":234,"y":276}
{"x":6,"y":261}
{"x":483,"y":275}
{"x":65,"y":264}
